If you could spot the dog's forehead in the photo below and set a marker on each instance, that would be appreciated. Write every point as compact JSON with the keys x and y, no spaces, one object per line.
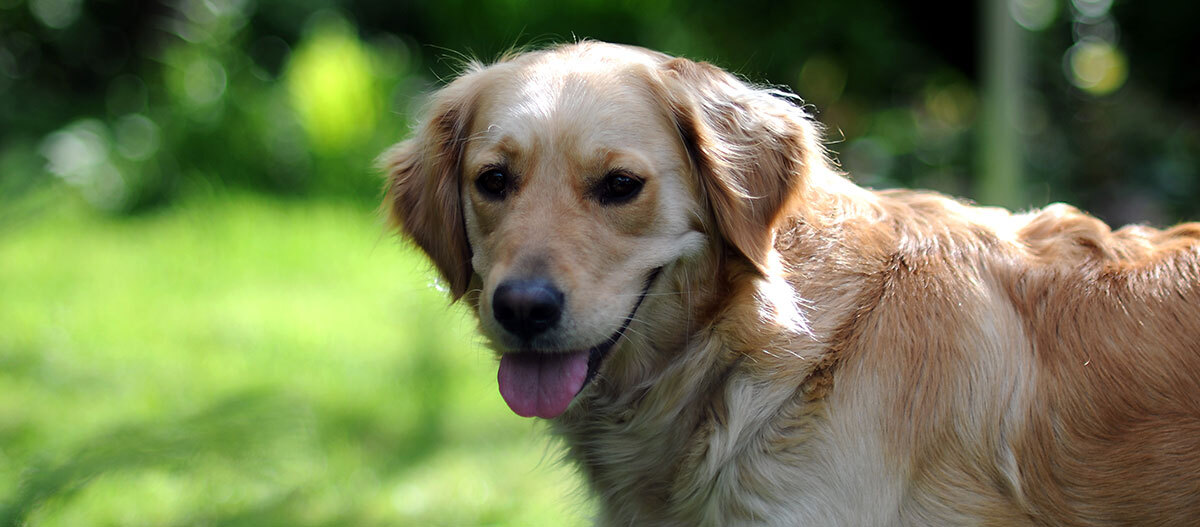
{"x":581,"y":102}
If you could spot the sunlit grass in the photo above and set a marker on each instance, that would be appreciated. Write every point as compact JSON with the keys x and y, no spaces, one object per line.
{"x":247,"y":361}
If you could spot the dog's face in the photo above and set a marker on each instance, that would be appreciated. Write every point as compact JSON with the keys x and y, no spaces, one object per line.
{"x":574,"y":195}
{"x":555,"y":189}
{"x":575,"y":190}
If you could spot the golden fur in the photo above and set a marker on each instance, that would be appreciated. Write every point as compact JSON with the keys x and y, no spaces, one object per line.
{"x":812,"y":353}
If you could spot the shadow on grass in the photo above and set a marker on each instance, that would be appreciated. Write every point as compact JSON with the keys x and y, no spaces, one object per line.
{"x":284,"y":511}
{"x":248,"y":432}
{"x":237,"y":429}
{"x":425,"y":379}
{"x":430,"y":384}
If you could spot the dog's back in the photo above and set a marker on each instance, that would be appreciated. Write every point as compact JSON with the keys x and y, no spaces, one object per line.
{"x":1037,"y":360}
{"x":1114,"y":327}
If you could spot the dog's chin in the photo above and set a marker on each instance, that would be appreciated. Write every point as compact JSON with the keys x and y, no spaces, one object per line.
{"x":544,"y":383}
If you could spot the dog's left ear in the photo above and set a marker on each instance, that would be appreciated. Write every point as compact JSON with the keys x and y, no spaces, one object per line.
{"x":422,"y":190}
{"x":751,"y":147}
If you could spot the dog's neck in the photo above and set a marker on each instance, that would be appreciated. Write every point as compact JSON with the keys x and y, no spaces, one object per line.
{"x":667,"y":391}
{"x":629,"y":432}
{"x":632,"y":435}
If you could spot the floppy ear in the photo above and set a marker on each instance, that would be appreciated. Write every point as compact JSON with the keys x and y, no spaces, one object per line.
{"x":751,"y":147}
{"x":422,"y":192}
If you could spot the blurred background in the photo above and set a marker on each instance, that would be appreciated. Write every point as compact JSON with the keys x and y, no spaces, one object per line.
{"x":204,"y":322}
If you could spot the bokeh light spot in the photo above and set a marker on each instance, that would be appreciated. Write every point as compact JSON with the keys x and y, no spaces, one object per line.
{"x":332,"y":85}
{"x":204,"y":80}
{"x":72,"y":151}
{"x":822,"y":80}
{"x":79,"y":155}
{"x":1092,"y":8}
{"x":1104,"y":28}
{"x":1095,"y":66}
{"x":952,"y":106}
{"x":1034,"y":15}
{"x":56,"y":14}
{"x":137,"y":137}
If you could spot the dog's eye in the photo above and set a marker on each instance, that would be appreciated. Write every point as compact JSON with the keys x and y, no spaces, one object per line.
{"x":617,"y":188}
{"x":493,"y":183}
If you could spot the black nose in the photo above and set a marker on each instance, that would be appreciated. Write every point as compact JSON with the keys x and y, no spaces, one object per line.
{"x":527,"y":308}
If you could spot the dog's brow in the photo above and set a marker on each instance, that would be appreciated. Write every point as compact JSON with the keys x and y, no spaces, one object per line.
{"x":495,"y":139}
{"x":630,"y":160}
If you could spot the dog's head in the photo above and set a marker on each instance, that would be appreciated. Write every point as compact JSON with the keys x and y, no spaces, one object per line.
{"x":557,"y":188}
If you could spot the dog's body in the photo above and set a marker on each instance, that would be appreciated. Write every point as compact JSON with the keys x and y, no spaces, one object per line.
{"x":727,"y":332}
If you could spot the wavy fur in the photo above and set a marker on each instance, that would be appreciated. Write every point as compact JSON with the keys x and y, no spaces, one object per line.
{"x":813,"y":353}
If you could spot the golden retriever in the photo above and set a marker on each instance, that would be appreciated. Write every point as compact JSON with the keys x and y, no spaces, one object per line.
{"x":726,"y":331}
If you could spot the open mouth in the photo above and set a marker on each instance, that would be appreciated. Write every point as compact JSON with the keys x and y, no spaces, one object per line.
{"x":543,"y":384}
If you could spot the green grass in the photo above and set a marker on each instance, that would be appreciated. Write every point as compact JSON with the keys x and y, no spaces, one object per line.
{"x":249,"y":361}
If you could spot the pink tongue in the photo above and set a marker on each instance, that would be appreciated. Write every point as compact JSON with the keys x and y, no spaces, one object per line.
{"x":541,"y":384}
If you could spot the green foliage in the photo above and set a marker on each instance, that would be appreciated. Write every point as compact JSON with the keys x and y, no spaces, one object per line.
{"x":137,"y":104}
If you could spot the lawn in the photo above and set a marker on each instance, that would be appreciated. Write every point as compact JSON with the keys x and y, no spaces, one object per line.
{"x":240,"y":360}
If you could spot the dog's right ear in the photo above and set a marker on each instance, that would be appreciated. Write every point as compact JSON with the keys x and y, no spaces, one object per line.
{"x":422,"y":193}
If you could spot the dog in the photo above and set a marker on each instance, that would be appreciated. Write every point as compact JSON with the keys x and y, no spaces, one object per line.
{"x":726,"y":331}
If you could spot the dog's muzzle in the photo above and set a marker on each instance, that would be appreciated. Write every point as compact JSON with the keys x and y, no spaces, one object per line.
{"x":543,"y":384}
